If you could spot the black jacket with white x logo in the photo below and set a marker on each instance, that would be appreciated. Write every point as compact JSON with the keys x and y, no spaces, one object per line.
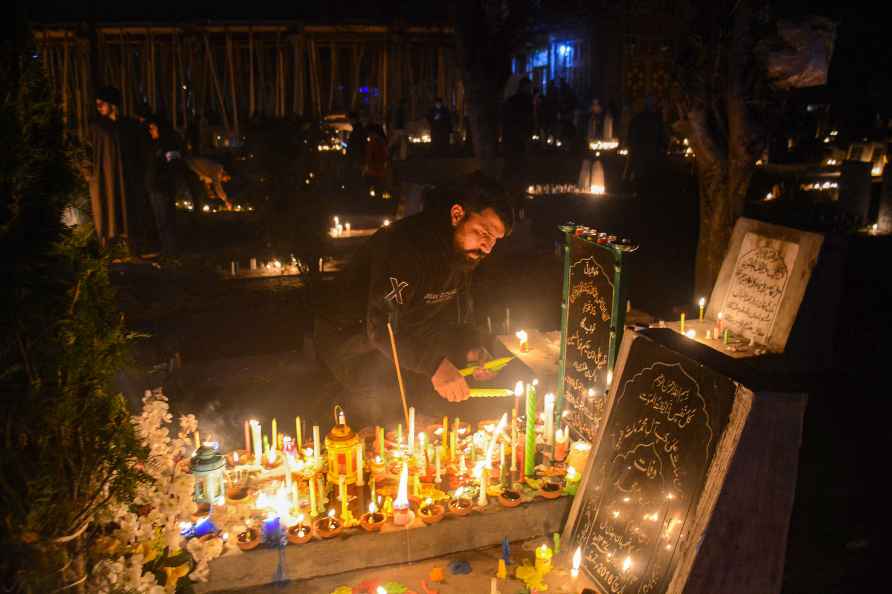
{"x":408,"y":274}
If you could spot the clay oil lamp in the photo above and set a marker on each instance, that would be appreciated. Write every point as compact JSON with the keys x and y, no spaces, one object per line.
{"x":431,"y":512}
{"x":552,"y":488}
{"x":328,"y":526}
{"x":509,"y":498}
{"x":237,"y":493}
{"x":300,"y":532}
{"x":249,"y":539}
{"x":373,"y":520}
{"x":459,"y":506}
{"x":272,"y":460}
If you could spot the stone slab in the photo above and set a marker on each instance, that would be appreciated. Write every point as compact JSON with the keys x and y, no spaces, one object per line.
{"x":360,"y":550}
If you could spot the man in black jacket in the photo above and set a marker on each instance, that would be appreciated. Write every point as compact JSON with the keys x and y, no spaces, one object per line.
{"x":416,"y":275}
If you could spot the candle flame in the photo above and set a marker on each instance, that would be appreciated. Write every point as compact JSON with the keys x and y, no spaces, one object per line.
{"x":458,"y":492}
{"x":380,"y":590}
{"x":235,"y":457}
{"x":609,"y":378}
{"x":691,"y":333}
{"x":402,"y":498}
{"x":372,"y":507}
{"x":571,"y":473}
{"x":331,"y":514}
{"x":702,"y":302}
{"x":627,"y":564}
{"x":518,"y":389}
{"x":521,"y":336}
{"x":577,"y":559}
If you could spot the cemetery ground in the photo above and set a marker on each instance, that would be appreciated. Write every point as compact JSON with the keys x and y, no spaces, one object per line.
{"x":228,"y":350}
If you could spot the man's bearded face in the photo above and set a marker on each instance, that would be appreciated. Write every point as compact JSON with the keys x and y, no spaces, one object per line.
{"x":475,"y":234}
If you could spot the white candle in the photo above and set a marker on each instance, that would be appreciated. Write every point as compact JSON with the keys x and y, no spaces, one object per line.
{"x":493,"y":586}
{"x":258,"y":447}
{"x":481,"y":499}
{"x":411,"y":429}
{"x":549,"y":419}
{"x":316,"y":443}
{"x":501,"y":457}
{"x":360,"y":481}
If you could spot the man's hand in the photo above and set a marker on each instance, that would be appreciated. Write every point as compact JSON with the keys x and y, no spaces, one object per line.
{"x":449,"y":383}
{"x":479,"y":356}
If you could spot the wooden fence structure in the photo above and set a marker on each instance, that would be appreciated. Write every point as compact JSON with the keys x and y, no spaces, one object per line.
{"x":232,"y":72}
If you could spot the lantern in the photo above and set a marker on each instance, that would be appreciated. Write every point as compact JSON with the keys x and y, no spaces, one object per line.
{"x":208,"y":468}
{"x":341,"y":446}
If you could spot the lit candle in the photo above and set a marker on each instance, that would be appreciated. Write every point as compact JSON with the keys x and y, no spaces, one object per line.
{"x":561,"y":444}
{"x":523,"y":339}
{"x":295,"y":498}
{"x":314,"y":511}
{"x":379,"y":440}
{"x":453,"y":441}
{"x":399,"y":435}
{"x":197,"y":439}
{"x":247,"y":437}
{"x":549,"y":418}
{"x":422,"y":457}
{"x":274,"y":440}
{"x":444,"y":439}
{"x":360,"y":480}
{"x":681,"y":324}
{"x":437,"y":477}
{"x":702,"y":304}
{"x":299,"y":434}
{"x":543,"y":559}
{"x":411,"y":429}
{"x":530,"y":449}
{"x":342,"y":495}
{"x":725,"y":337}
{"x":316,"y":443}
{"x":721,"y":321}
{"x":577,"y":561}
{"x":372,"y":486}
{"x":514,"y":441}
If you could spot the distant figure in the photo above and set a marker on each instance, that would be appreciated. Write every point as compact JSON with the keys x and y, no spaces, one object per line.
{"x":375,"y":166}
{"x":595,"y":121}
{"x":213,"y":175}
{"x":647,"y":142}
{"x":517,"y":121}
{"x":441,"y":125}
{"x":167,"y":169}
{"x":104,"y":172}
{"x":356,"y":148}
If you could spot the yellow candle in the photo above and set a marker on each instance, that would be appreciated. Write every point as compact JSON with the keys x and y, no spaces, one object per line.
{"x":298,"y":434}
{"x":316,"y":443}
{"x":197,"y":439}
{"x":444,"y":441}
{"x":313,"y":510}
{"x":359,"y":470}
{"x":342,"y":494}
{"x":681,"y":324}
{"x":274,"y":440}
{"x":702,"y":304}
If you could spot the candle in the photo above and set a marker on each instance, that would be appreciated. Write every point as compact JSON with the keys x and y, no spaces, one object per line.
{"x":437,"y":477}
{"x":721,"y":322}
{"x":316,"y":443}
{"x":577,"y":561}
{"x":681,"y":324}
{"x":342,"y":495}
{"x":197,"y":439}
{"x":702,"y":304}
{"x":295,"y":497}
{"x":493,"y":586}
{"x":299,"y":434}
{"x":514,"y":441}
{"x":445,"y":437}
{"x":247,"y":437}
{"x":518,"y":392}
{"x":543,"y":559}
{"x":411,"y":429}
{"x":549,"y":418}
{"x":274,"y":440}
{"x":372,"y":485}
{"x":399,"y":435}
{"x":530,"y":449}
{"x":481,"y":498}
{"x":561,"y":444}
{"x":725,"y":338}
{"x":453,"y":441}
{"x":258,"y":451}
{"x":360,"y":480}
{"x":422,"y":457}
{"x":379,"y":440}
{"x":507,"y":320}
{"x":314,"y":511}
{"x":502,"y":473}
{"x":489,"y":324}
{"x":523,"y":339}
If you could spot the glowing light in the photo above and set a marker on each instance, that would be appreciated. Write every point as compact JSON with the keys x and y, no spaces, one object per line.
{"x":402,"y":497}
{"x":372,"y":507}
{"x":387,"y":222}
{"x":627,"y":564}
{"x":518,"y":389}
{"x":596,"y":189}
{"x":604,"y":145}
{"x":205,"y":208}
{"x":691,"y":333}
{"x":577,"y":561}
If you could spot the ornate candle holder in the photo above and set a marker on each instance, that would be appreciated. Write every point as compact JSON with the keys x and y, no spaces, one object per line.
{"x":431,"y":512}
{"x":328,"y":526}
{"x":249,"y":539}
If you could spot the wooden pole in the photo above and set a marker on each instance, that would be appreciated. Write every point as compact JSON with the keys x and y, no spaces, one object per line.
{"x":251,"y":98}
{"x":399,"y":374}
{"x":299,"y":75}
{"x":217,"y":90}
{"x":232,"y":93}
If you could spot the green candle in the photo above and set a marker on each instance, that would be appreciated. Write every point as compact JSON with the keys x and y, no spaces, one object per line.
{"x":726,"y":336}
{"x":529,"y":463}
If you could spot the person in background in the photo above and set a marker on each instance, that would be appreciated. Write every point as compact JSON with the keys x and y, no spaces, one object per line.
{"x":595,"y":121}
{"x":517,"y":129}
{"x":167,"y":170}
{"x":356,"y":148}
{"x":376,"y":164}
{"x":440,"y":123}
{"x":647,"y":143}
{"x":104,"y":171}
{"x":213,"y":175}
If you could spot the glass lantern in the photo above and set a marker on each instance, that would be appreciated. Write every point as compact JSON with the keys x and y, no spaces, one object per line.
{"x":341,"y":446}
{"x":209,"y":469}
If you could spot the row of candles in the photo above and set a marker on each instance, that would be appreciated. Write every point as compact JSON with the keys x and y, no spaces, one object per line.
{"x":719,"y":331}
